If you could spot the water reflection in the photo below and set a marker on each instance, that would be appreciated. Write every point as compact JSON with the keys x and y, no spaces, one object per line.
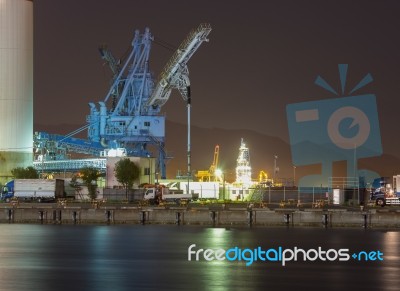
{"x":65,"y":257}
{"x":390,"y":273}
{"x":216,"y":275}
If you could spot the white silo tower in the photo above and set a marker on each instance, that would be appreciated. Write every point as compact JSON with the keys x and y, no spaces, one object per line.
{"x":16,"y":85}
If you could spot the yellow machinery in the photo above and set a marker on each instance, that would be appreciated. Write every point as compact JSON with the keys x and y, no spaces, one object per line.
{"x":264,"y":180}
{"x":209,"y":175}
{"x":262,"y":177}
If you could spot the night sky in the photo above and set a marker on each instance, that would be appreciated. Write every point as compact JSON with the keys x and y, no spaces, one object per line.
{"x":262,"y":56}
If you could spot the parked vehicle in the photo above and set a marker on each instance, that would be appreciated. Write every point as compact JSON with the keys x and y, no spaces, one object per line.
{"x":385,"y":193}
{"x":39,"y":190}
{"x":157,"y":193}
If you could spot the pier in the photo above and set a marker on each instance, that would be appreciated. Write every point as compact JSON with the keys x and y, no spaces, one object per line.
{"x":206,"y":215}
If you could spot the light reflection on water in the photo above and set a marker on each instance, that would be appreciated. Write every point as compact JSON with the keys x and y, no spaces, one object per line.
{"x":391,"y":249}
{"x":133,"y":257}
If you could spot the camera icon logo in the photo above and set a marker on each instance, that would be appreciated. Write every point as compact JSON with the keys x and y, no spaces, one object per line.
{"x":359,"y":118}
{"x":337,"y":129}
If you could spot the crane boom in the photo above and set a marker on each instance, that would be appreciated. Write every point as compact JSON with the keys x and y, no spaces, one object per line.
{"x":175,"y":74}
{"x":107,"y":56}
{"x":132,"y":121}
{"x":114,"y":65}
{"x":214,"y":165}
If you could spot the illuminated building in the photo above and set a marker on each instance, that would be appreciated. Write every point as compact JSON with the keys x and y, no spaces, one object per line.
{"x":16,"y":85}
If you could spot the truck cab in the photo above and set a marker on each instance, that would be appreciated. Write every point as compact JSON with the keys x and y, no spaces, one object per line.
{"x":384,"y":193}
{"x":153,"y":193}
{"x":379,"y":196}
{"x":150,"y":193}
{"x":7,"y":192}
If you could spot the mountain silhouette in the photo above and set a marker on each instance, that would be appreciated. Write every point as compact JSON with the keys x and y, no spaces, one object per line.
{"x":262,"y":148}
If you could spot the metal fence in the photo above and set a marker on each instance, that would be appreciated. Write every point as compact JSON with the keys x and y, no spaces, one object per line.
{"x":304,"y":195}
{"x":307,"y":195}
{"x":111,"y":194}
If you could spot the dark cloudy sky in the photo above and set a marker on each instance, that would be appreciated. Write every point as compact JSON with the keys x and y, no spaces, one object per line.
{"x":262,"y":55}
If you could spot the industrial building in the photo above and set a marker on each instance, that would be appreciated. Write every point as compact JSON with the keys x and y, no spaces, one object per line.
{"x":16,"y":85}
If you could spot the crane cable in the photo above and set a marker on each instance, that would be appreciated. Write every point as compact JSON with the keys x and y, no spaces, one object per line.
{"x":164,"y":44}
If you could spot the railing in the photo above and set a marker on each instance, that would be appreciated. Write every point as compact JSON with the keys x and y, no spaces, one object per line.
{"x":302,"y":194}
{"x":344,"y":182}
{"x":69,"y":165}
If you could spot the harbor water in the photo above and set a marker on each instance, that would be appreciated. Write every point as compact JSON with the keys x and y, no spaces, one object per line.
{"x":156,"y":257}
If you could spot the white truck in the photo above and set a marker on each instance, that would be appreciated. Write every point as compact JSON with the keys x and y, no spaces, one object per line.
{"x":160,"y":193}
{"x":39,"y":190}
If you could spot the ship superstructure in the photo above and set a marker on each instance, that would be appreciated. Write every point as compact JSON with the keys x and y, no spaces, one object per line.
{"x":243,"y":168}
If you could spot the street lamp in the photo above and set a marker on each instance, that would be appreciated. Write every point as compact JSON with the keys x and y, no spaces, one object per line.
{"x":276,"y":169}
{"x":220,"y":174}
{"x":294,"y":176}
{"x":149,"y":168}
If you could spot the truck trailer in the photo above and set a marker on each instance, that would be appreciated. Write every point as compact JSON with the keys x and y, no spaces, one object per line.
{"x":38,"y":190}
{"x":205,"y":190}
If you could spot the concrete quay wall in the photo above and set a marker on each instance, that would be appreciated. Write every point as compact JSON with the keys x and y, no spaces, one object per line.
{"x":384,"y":218}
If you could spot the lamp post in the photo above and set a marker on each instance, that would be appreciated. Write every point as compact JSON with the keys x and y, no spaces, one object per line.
{"x":220,"y":174}
{"x":223,"y":183}
{"x":188,"y":105}
{"x":149,"y":168}
{"x":275,"y":168}
{"x":294,"y":176}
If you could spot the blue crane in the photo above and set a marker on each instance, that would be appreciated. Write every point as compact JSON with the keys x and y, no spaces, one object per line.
{"x":129,"y":117}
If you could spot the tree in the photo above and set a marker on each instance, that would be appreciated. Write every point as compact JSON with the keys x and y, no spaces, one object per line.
{"x":89,"y":176}
{"x":25,"y":173}
{"x":126,"y":173}
{"x":76,"y":185}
